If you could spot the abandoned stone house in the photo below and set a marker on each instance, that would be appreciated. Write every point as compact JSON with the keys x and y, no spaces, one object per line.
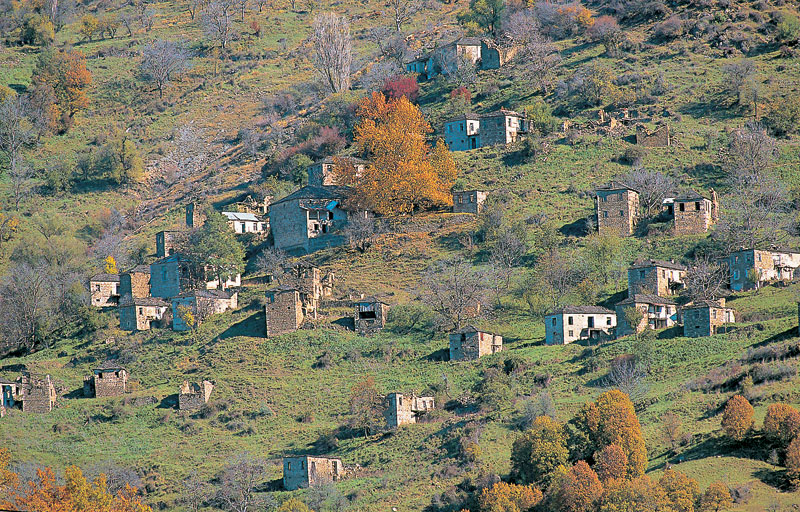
{"x":194,"y":215}
{"x":692,"y":212}
{"x":193,"y":396}
{"x":202,"y":304}
{"x":405,"y":410}
{"x":447,"y":58}
{"x":656,"y":277}
{"x":311,"y":283}
{"x":172,"y":275}
{"x":706,"y":318}
{"x":574,"y":323}
{"x":658,"y":138}
{"x":657,"y":313}
{"x":751,"y":268}
{"x":617,"y":209}
{"x":369,"y":315}
{"x":468,"y":343}
{"x":143,"y":313}
{"x":166,"y":243}
{"x":309,"y":219}
{"x":322,"y":172}
{"x":307,"y":471}
{"x":242,"y":223}
{"x":104,"y":290}
{"x":494,"y":56}
{"x":38,"y":393}
{"x":108,"y":379}
{"x":135,"y":283}
{"x":285,"y":310}
{"x":472,"y":131}
{"x":468,"y":201}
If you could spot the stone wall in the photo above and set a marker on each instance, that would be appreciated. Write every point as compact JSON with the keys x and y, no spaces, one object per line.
{"x":659,"y":138}
{"x":371,"y":317}
{"x":617,"y":211}
{"x":165,"y":243}
{"x":563,"y":328}
{"x":288,"y":223}
{"x":38,"y":394}
{"x":305,"y":471}
{"x":194,"y":396}
{"x":194,"y":215}
{"x":468,"y":201}
{"x":404,"y":410}
{"x":134,"y":285}
{"x":706,"y":320}
{"x":656,"y":280}
{"x":284,"y":312}
{"x":499,"y":129}
{"x":472,"y":345}
{"x":692,"y":217}
{"x":104,"y":293}
{"x":110,"y":382}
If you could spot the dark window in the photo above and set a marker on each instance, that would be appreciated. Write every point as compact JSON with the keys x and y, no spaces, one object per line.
{"x":367,"y":315}
{"x":608,"y":321}
{"x":697,"y":206}
{"x":642,"y":273}
{"x":682,"y":207}
{"x":621,"y":213}
{"x":569,"y":320}
{"x":591,"y":321}
{"x":605,"y":215}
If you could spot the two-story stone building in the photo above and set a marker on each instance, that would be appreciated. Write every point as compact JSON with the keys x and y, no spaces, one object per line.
{"x":38,"y":393}
{"x":706,"y":318}
{"x":143,"y":313}
{"x":656,"y":277}
{"x":657,"y":313}
{"x":322,"y":172}
{"x":285,"y":310}
{"x":751,"y":268}
{"x":617,"y":209}
{"x":135,"y":283}
{"x":468,"y":343}
{"x":202,"y":304}
{"x":694,"y":213}
{"x":104,"y":290}
{"x":307,"y":471}
{"x":405,"y":410}
{"x":574,"y":323}
{"x":108,"y":379}
{"x":472,"y":131}
{"x":468,"y":201}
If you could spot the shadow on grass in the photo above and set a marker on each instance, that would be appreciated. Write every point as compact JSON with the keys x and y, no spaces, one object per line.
{"x":169,"y":402}
{"x":254,"y":326}
{"x":439,"y":355}
{"x":788,"y":334}
{"x":776,"y":479}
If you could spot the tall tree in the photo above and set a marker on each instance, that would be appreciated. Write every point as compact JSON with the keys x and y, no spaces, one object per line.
{"x":216,"y":21}
{"x":404,"y":172}
{"x":737,"y":418}
{"x":403,"y":11}
{"x":539,"y":452}
{"x":454,"y":290}
{"x":578,"y":490}
{"x":332,"y":50}
{"x":162,"y":60}
{"x":365,"y":406}
{"x":537,"y":56}
{"x":682,"y":491}
{"x":503,"y":497}
{"x":65,"y":71}
{"x":215,"y":246}
{"x":485,"y":15}
{"x":16,"y":129}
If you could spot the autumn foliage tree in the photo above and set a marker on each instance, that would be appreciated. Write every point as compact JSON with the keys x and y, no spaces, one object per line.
{"x":793,"y":461}
{"x":682,"y":491}
{"x":611,"y":419}
{"x":396,"y":87}
{"x":504,"y":497}
{"x":737,"y":418}
{"x":65,"y":72}
{"x":716,"y":498}
{"x":365,"y":405}
{"x":537,"y":454}
{"x":405,"y":173}
{"x":577,"y":490}
{"x":776,"y":415}
{"x":611,"y":463}
{"x":638,"y":494}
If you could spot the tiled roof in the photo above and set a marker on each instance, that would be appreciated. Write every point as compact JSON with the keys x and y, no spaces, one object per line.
{"x":249,"y":217}
{"x":107,"y":278}
{"x":111,"y":364}
{"x":615,"y":185}
{"x":645,"y":298}
{"x":658,"y":263}
{"x":208,"y":294}
{"x":144,"y":301}
{"x":329,"y":192}
{"x":582,"y":310}
{"x":139,"y":269}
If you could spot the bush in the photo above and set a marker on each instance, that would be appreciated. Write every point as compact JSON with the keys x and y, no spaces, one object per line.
{"x":783,"y":117}
{"x":407,"y":318}
{"x":399,"y":86}
{"x":668,"y":29}
{"x":788,"y":28}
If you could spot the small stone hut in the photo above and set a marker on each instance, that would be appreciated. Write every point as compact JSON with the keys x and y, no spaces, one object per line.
{"x":306,"y":471}
{"x":193,"y":396}
{"x":108,"y":379}
{"x":468,"y":343}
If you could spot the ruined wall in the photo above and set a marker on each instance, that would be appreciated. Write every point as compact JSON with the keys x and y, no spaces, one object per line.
{"x":705,"y":321}
{"x":165,"y":279}
{"x":617,"y":211}
{"x":104,"y":293}
{"x":370,"y":317}
{"x":284,"y":312}
{"x":110,"y":383}
{"x":38,"y":394}
{"x":134,"y":285}
{"x":288,"y":223}
{"x":499,"y":129}
{"x":692,"y":217}
{"x":471,"y":346}
{"x":192,"y":397}
{"x":657,"y":139}
{"x":656,"y":280}
{"x":303,"y":472}
{"x":468,"y":201}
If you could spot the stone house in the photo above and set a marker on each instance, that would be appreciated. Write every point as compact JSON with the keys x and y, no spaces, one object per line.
{"x":659,"y":138}
{"x":657,"y":277}
{"x":311,"y":283}
{"x":706,"y":318}
{"x":142,"y":313}
{"x":321,"y":172}
{"x":468,"y":343}
{"x":574,"y":323}
{"x":369,"y":315}
{"x":242,"y":223}
{"x":104,"y":290}
{"x":468,"y":201}
{"x":202,"y":303}
{"x":135,"y":283}
{"x":750,"y":268}
{"x":38,"y":393}
{"x":166,"y":243}
{"x":657,"y":313}
{"x":194,"y":396}
{"x":194,"y":215}
{"x":108,"y":379}
{"x":307,"y":471}
{"x":493,"y":56}
{"x":10,"y":393}
{"x":173,"y":275}
{"x":310,"y":219}
{"x":405,"y":410}
{"x":617,"y":209}
{"x":693,"y":213}
{"x":472,"y":131}
{"x":285,"y":310}
{"x":445,"y":59}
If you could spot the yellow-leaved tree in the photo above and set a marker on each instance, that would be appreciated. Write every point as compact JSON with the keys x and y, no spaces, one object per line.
{"x":404,"y":173}
{"x":110,"y":266}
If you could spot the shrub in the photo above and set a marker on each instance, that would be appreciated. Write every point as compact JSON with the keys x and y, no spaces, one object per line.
{"x":399,"y":86}
{"x":670,"y":28}
{"x":536,"y":455}
{"x":793,"y":461}
{"x":507,"y":497}
{"x":788,"y":28}
{"x":783,"y":116}
{"x":717,"y":497}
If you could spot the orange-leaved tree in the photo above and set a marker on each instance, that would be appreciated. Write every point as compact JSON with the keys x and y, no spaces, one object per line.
{"x":611,"y":463}
{"x":577,"y":490}
{"x":611,"y":419}
{"x":737,"y":418}
{"x":404,"y":172}
{"x":716,"y":498}
{"x":640,"y":493}
{"x":503,"y":497}
{"x":682,"y":491}
{"x":65,"y":72}
{"x":793,"y":461}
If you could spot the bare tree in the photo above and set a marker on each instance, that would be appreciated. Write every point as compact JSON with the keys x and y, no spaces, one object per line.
{"x":705,"y":279}
{"x":537,"y":57}
{"x":361,"y":231}
{"x":391,"y":45}
{"x":333,"y":50}
{"x":20,"y":183}
{"x":16,"y":129}
{"x":626,"y":375}
{"x":653,"y":187}
{"x":454,"y":290}
{"x":162,"y":60}
{"x":737,"y":78}
{"x":507,"y":253}
{"x":26,"y":301}
{"x":238,"y":483}
{"x":147,"y":18}
{"x":403,"y":11}
{"x":194,"y":6}
{"x":261,"y":4}
{"x":459,"y":69}
{"x":127,"y":20}
{"x":750,"y":155}
{"x":195,"y":492}
{"x":556,"y":276}
{"x":216,"y":21}
{"x":273,"y":262}
{"x":242,"y":5}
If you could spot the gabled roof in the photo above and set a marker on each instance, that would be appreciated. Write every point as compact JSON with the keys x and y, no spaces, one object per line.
{"x":370,"y":300}
{"x":582,"y":310}
{"x":468,"y":329}
{"x":105,"y":278}
{"x":110,"y":364}
{"x":646,"y":298}
{"x":143,"y":301}
{"x":769,"y":249}
{"x":139,"y":269}
{"x":469,"y":116}
{"x":172,"y":257}
{"x":332,"y":160}
{"x":249,"y":217}
{"x":615,"y":185}
{"x":503,"y":113}
{"x":704,"y":304}
{"x":657,"y":263}
{"x":329,"y":192}
{"x":207,"y":294}
{"x":689,"y":195}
